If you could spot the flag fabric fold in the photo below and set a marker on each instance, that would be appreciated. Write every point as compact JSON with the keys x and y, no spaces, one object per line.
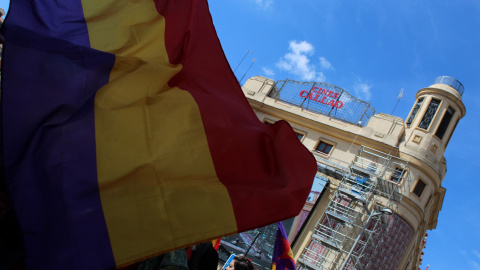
{"x":282,"y":258}
{"x":126,"y":134}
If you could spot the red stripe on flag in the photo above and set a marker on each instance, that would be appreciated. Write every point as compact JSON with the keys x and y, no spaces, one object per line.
{"x":266,"y":170}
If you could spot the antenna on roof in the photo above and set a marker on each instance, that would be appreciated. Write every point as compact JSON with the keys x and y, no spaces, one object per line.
{"x":253,"y":62}
{"x":400,"y":95}
{"x":242,"y":60}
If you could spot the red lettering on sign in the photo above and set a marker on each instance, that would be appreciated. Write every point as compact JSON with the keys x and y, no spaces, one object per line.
{"x":323,"y":99}
{"x":320,"y":95}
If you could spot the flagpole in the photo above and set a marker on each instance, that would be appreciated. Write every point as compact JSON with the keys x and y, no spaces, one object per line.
{"x":251,"y":244}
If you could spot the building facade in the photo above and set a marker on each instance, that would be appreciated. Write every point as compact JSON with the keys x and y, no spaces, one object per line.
{"x":384,"y":174}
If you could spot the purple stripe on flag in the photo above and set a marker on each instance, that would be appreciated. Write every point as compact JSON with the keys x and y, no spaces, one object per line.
{"x":50,"y":77}
{"x":281,"y":255}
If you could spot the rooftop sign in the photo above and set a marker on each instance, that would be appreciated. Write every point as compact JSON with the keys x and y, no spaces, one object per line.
{"x":323,"y":98}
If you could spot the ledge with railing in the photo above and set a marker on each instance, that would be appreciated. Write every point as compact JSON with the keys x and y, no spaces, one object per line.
{"x":390,"y":173}
{"x":447,"y":80}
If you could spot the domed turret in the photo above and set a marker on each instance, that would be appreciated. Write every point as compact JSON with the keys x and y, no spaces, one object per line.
{"x":433,"y":119}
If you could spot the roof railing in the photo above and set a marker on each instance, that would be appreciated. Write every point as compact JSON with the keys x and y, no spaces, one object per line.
{"x":447,"y":80}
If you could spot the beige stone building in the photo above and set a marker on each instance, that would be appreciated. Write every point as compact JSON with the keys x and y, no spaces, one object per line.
{"x":384,"y":173}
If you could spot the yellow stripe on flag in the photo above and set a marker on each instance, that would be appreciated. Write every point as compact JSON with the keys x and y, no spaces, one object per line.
{"x":151,"y":143}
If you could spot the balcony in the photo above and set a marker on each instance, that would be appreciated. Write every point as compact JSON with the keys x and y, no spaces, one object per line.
{"x":451,"y":82}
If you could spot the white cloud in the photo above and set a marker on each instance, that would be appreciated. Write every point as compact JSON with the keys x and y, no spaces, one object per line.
{"x":474,"y":264}
{"x":297,"y":62}
{"x":362,"y":90}
{"x":302,"y":47}
{"x":473,"y":261}
{"x":320,"y":77}
{"x":264,"y":3}
{"x":325,"y":64}
{"x":268,"y":72}
{"x":476,"y":253}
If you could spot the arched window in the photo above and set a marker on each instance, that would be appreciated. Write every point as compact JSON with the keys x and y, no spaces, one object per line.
{"x":429,"y":114}
{"x":414,"y":112}
{"x":447,"y":117}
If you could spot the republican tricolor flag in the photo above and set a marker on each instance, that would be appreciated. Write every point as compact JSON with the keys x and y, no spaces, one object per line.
{"x":126,"y":134}
{"x":216,"y":243}
{"x":282,"y":253}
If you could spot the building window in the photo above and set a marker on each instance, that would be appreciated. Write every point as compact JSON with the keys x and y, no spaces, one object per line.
{"x":454,"y":127}
{"x":397,"y":175}
{"x":429,"y":114}
{"x":324,"y":148}
{"x":447,"y":117}
{"x":268,"y":122}
{"x":299,"y":135}
{"x":419,"y":187}
{"x":414,"y":112}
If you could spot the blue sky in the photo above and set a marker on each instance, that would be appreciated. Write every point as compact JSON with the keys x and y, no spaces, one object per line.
{"x":373,"y":49}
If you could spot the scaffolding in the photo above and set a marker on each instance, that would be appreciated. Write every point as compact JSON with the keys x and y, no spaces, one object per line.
{"x":351,"y":226}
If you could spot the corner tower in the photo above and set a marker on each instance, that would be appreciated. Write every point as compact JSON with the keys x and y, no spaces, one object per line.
{"x":432,"y":121}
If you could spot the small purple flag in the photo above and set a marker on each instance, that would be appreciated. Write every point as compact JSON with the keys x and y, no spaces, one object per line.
{"x":282,"y":254}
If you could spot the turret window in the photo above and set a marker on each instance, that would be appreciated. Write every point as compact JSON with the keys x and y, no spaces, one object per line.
{"x":454,"y":127}
{"x":414,"y":112}
{"x":419,"y":187}
{"x":447,"y":117}
{"x":429,"y":114}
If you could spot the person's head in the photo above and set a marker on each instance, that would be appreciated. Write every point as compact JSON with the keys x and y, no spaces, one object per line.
{"x":240,"y":263}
